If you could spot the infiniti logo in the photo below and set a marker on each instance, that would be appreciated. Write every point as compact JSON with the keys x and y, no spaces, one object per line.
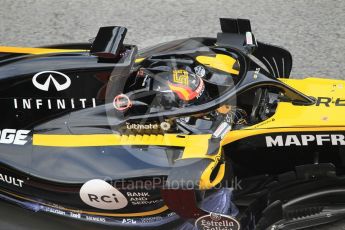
{"x":51,"y":80}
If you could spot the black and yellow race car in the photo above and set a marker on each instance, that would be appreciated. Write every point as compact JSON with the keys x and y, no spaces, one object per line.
{"x":194,"y":133}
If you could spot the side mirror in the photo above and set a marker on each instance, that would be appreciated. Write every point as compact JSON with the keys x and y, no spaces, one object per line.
{"x":237,"y":33}
{"x":109,"y":42}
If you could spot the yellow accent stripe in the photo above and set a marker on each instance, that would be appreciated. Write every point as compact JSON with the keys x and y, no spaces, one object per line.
{"x":196,"y":146}
{"x":137,"y":214}
{"x":240,"y":134}
{"x":106,"y":140}
{"x":28,"y":50}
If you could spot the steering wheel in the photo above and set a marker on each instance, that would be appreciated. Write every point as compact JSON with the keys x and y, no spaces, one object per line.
{"x":258,"y":102}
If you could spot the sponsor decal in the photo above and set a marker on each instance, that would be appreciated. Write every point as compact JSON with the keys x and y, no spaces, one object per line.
{"x":122,"y":102}
{"x":257,"y":71}
{"x":141,"y":126}
{"x":137,"y":194}
{"x":129,"y":221}
{"x":47,"y":79}
{"x":58,"y":104}
{"x":201,"y":88}
{"x":52,"y":81}
{"x":142,"y":198}
{"x":327,"y":101}
{"x":181,"y":77}
{"x":54,"y":211}
{"x":148,"y":126}
{"x":75,"y":215}
{"x":12,"y":136}
{"x":165,"y":126}
{"x":217,"y":222}
{"x":58,"y":210}
{"x":95,"y":219}
{"x":305,"y":140}
{"x":200,"y":71}
{"x":100,"y":194}
{"x":265,"y":122}
{"x":11,"y":180}
{"x":147,"y":220}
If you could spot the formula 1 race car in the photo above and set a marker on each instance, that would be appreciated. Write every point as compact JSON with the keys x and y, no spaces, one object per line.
{"x":197,"y":133}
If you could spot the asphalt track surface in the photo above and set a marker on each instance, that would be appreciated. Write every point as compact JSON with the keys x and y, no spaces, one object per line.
{"x":313,"y":31}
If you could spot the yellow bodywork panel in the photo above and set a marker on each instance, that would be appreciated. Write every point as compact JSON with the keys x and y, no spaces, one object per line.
{"x":220,"y":61}
{"x":205,"y":182}
{"x":298,"y":118}
{"x":195,"y":147}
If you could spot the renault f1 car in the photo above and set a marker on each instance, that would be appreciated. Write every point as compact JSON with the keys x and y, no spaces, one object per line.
{"x":197,"y":133}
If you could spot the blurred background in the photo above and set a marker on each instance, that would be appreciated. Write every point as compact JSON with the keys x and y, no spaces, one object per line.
{"x":313,"y":31}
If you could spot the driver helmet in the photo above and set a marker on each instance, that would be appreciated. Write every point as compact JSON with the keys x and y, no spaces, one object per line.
{"x":187,"y":86}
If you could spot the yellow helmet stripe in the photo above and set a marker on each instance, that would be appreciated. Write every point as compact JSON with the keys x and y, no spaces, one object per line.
{"x":183,"y":92}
